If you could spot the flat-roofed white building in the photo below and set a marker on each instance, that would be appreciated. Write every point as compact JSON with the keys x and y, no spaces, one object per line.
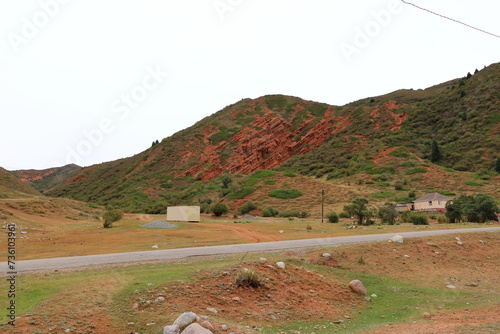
{"x":183,"y":213}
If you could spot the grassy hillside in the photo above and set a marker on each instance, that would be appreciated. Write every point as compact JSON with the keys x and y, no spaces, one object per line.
{"x":12,"y":187}
{"x":375,"y":142}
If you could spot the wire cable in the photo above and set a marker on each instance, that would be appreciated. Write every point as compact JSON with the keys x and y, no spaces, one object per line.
{"x":449,"y":18}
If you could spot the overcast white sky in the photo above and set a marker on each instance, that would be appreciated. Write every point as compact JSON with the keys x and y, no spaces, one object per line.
{"x":93,"y":81}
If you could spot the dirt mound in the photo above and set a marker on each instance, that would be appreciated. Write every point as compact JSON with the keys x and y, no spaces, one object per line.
{"x":291,"y":294}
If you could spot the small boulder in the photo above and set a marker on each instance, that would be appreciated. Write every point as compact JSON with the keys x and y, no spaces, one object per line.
{"x":326,"y":255}
{"x":213,"y":310}
{"x":262,"y":260}
{"x":426,"y":315}
{"x":154,"y":246}
{"x":460,"y":243}
{"x":159,"y":299}
{"x":281,"y":265}
{"x":357,"y":287}
{"x":186,"y":319}
{"x":223,"y":327}
{"x":208,"y":325}
{"x":236,"y":299}
{"x":196,"y":329}
{"x":449,"y":286}
{"x":171,"y":329}
{"x":397,"y":239}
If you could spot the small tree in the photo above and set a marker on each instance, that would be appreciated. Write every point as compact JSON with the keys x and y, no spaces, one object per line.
{"x":110,"y":217}
{"x":332,"y":217}
{"x":359,"y":209}
{"x":218,"y":209}
{"x":497,"y":165}
{"x":388,"y":213}
{"x":435,"y":152}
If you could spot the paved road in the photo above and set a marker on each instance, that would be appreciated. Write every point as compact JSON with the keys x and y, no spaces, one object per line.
{"x":93,"y":260}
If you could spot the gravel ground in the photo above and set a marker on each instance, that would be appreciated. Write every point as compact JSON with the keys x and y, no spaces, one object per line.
{"x":159,"y":224}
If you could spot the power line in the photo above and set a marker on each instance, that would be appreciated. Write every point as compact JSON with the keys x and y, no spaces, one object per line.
{"x":449,"y":18}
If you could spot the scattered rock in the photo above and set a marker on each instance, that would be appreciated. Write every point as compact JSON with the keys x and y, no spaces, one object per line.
{"x":281,"y":231}
{"x":326,"y":255}
{"x":457,"y":239}
{"x":357,"y":287}
{"x":150,"y":324}
{"x":426,"y":315}
{"x":460,"y":243}
{"x":281,"y":265}
{"x":160,"y":299}
{"x":172,"y":329}
{"x":475,"y":285}
{"x":262,"y":260}
{"x":196,"y":329}
{"x":213,"y":310}
{"x":135,"y":306}
{"x":449,"y":286}
{"x":397,"y":239}
{"x":223,"y":327}
{"x":407,"y":256}
{"x":481,"y":241}
{"x":236,"y":299}
{"x":186,"y":319}
{"x":431,"y":244}
{"x":374,"y":296}
{"x":155,"y":247}
{"x":130,"y":323}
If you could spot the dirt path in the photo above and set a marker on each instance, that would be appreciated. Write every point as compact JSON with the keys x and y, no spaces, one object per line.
{"x":253,"y":236}
{"x":167,"y":254}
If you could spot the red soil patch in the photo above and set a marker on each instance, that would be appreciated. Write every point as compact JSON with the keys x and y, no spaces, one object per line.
{"x":285,"y":295}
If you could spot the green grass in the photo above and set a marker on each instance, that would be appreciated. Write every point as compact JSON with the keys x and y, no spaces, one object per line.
{"x":384,"y":194}
{"x":396,"y":302}
{"x":416,"y":170}
{"x":285,"y":193}
{"x":244,"y":192}
{"x":473,"y":183}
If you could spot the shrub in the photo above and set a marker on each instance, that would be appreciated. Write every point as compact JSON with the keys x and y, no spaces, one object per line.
{"x":218,"y":209}
{"x":294,"y":213}
{"x":332,"y":217}
{"x":398,"y":185}
{"x":443,"y":220}
{"x":247,"y":207}
{"x":285,"y":193}
{"x":418,"y":219}
{"x":290,"y":174}
{"x":344,"y":214}
{"x":269,"y":212}
{"x":247,"y":278}
{"x":110,"y":217}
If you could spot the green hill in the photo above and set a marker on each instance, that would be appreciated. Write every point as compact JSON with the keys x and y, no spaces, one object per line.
{"x":379,"y":140}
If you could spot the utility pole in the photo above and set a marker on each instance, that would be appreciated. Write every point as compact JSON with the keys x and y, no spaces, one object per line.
{"x":322,"y":204}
